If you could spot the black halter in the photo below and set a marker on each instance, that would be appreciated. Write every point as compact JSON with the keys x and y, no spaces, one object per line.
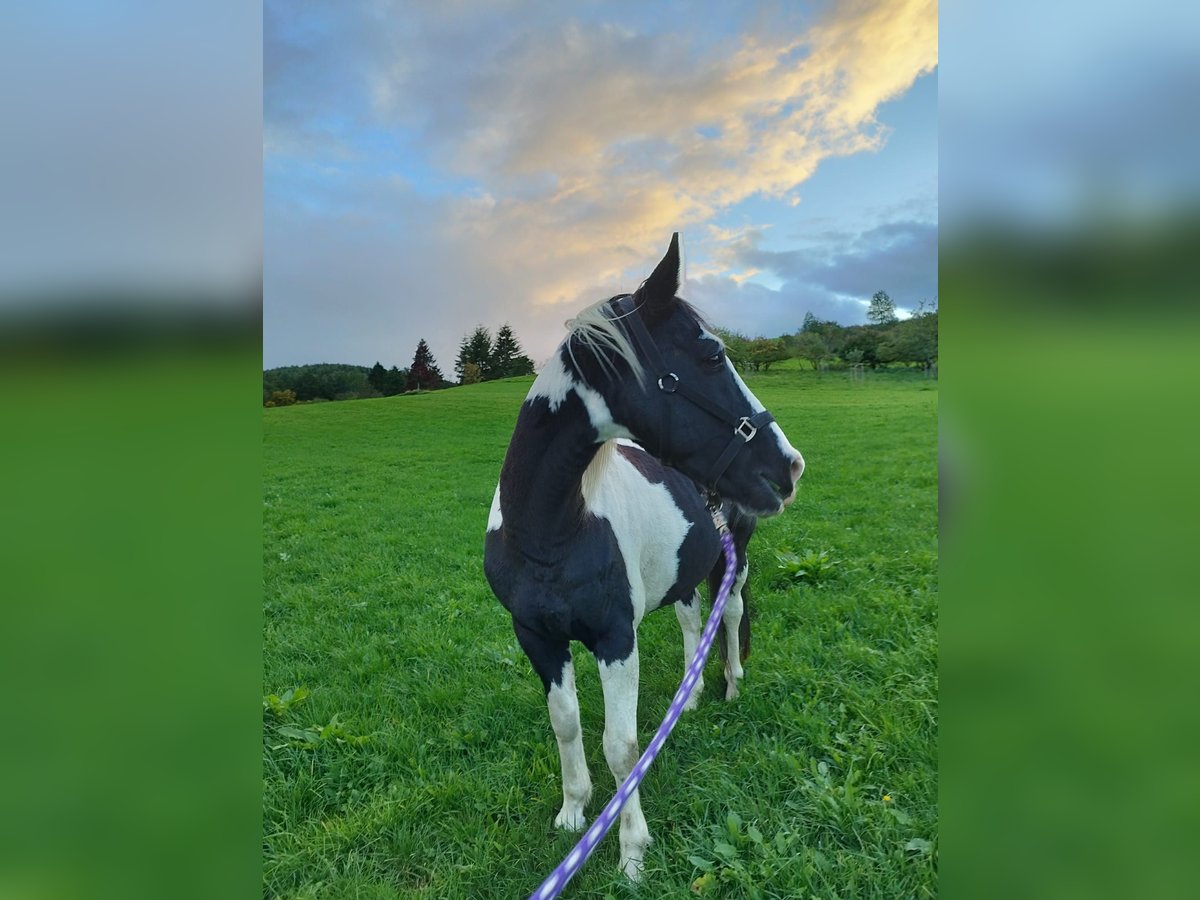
{"x":744,"y":427}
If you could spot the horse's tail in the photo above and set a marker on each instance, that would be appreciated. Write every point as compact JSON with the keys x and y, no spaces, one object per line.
{"x":744,"y":625}
{"x":721,"y":649}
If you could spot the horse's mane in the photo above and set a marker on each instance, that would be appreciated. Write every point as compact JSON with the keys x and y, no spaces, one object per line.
{"x":597,"y":330}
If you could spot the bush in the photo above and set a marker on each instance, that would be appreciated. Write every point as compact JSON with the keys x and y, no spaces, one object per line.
{"x":281,"y":398}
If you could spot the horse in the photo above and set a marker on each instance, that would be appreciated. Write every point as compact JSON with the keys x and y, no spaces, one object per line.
{"x":633,"y":430}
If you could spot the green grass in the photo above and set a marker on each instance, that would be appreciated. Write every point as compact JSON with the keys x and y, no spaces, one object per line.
{"x":421,"y":763}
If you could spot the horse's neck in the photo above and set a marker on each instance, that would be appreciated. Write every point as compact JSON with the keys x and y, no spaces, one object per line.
{"x":553,"y":444}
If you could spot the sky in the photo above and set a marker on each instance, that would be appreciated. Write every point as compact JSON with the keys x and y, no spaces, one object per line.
{"x":428,"y":167}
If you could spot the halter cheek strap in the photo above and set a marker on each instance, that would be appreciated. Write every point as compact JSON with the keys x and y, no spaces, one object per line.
{"x":744,"y":427}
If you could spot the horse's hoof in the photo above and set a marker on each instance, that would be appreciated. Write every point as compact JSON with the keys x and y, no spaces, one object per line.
{"x":632,"y":868}
{"x":570,"y":821}
{"x":693,"y":699}
{"x":732,"y":677}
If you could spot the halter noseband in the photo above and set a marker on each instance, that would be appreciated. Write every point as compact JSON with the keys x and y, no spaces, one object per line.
{"x":744,"y":427}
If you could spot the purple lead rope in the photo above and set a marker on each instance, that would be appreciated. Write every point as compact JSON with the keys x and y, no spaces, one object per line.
{"x":566,"y":869}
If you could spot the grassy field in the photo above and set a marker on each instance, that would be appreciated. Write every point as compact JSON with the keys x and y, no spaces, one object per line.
{"x":407,"y":748}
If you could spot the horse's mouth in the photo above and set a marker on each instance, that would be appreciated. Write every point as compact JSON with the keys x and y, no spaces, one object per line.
{"x":783,"y":496}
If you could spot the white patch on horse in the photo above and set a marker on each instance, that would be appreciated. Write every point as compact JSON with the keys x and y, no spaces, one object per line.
{"x":577,"y":782}
{"x":649,"y":527}
{"x":495,"y":519}
{"x":781,"y":440}
{"x":600,"y":415}
{"x":554,"y":382}
{"x":705,"y":333}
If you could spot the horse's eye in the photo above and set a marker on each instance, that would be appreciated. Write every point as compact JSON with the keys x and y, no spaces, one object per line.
{"x":716,"y":359}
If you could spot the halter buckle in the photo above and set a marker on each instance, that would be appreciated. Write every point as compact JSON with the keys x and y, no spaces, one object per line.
{"x":718,"y":516}
{"x":745,"y":430}
{"x":674,"y":384}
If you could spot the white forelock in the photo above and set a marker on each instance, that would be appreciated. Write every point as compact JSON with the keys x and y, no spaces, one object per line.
{"x":598,"y":332}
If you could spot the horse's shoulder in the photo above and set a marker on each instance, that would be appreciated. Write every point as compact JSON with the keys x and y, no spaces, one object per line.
{"x":625,"y":471}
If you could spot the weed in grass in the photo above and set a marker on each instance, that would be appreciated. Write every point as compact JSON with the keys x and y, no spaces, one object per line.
{"x":813,"y":566}
{"x":309,"y":737}
{"x":280,"y":706}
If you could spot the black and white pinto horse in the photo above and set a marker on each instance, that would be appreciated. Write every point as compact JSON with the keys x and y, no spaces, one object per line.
{"x":589,"y":531}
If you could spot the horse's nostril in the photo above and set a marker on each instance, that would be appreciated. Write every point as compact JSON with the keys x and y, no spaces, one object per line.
{"x":797,"y":468}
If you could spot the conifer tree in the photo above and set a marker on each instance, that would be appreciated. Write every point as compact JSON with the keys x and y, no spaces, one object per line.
{"x":507,"y":358}
{"x":476,"y":349}
{"x":423,"y":374}
{"x":394,"y":381}
{"x":377,"y":377}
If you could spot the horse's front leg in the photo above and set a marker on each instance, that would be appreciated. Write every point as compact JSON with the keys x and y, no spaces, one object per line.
{"x":689,"y":622}
{"x":620,"y":681}
{"x":552,"y":661}
{"x":564,"y":717}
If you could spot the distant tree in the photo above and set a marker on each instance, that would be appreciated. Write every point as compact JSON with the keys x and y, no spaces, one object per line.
{"x":925,"y":326}
{"x":319,"y":381}
{"x":395,"y":381}
{"x":833,"y":334}
{"x":882,"y":310}
{"x":472,"y":374}
{"x":811,"y":346}
{"x":377,"y":377}
{"x":864,"y":339}
{"x":507,"y":358}
{"x":281,"y":398}
{"x":423,"y":374}
{"x":915,"y":340}
{"x":766,"y":351}
{"x":476,"y":350}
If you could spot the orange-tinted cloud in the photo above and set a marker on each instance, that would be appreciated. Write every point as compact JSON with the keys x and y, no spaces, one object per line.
{"x":596,"y":144}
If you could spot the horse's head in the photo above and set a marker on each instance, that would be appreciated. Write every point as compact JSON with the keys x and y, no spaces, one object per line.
{"x":693,"y":410}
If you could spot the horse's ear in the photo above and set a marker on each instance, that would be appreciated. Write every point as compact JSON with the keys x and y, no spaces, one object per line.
{"x":663,"y":284}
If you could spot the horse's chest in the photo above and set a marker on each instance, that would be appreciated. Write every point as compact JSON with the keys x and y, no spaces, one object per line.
{"x":649,"y":529}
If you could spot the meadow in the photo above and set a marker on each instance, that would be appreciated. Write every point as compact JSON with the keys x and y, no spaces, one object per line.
{"x":407,"y":748}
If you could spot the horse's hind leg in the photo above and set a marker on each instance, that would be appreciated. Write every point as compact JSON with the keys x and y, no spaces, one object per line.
{"x":552,"y":661}
{"x":733,"y":637}
{"x":620,"y":681}
{"x":731,"y":618}
{"x":689,"y":623}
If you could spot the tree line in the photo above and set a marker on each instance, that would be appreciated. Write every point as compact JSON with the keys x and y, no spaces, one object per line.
{"x":480,"y":358}
{"x":885,"y":339}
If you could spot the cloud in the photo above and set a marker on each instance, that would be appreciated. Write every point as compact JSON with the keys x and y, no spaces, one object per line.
{"x":898,"y":257}
{"x":575,"y":138}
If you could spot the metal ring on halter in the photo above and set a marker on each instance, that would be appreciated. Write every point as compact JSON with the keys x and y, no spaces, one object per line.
{"x":745,"y":430}
{"x":674,"y":384}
